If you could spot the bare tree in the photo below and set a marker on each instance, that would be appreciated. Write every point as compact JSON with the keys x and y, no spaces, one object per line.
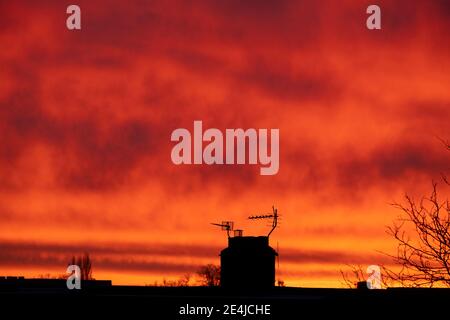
{"x":85,"y":264}
{"x":353,"y":276}
{"x":423,"y":243}
{"x":184,"y":281}
{"x":356,"y":274}
{"x":209,"y":275}
{"x":424,"y":258}
{"x":422,"y":233}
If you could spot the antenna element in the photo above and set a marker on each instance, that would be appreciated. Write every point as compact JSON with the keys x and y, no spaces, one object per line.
{"x":274,"y":215}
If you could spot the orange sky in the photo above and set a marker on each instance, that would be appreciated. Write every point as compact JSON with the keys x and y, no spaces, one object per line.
{"x":86,"y":118}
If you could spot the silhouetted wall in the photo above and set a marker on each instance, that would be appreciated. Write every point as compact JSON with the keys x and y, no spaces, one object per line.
{"x":248,"y":262}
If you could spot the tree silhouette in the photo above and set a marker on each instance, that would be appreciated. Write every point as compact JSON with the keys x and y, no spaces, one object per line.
{"x":352,"y":277}
{"x":85,"y":264}
{"x":424,"y":258}
{"x":423,"y":243}
{"x":183,"y":281}
{"x":209,"y":275}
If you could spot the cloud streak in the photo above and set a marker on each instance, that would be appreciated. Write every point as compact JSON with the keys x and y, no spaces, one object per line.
{"x":154,"y":258}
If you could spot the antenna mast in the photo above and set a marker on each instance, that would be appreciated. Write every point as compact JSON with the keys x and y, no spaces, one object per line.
{"x":226,"y":226}
{"x":274,"y":215}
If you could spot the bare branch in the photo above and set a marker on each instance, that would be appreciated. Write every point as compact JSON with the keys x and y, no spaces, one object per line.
{"x":423,"y":258}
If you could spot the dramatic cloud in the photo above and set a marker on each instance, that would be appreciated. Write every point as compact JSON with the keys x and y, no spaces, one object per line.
{"x":86,"y":118}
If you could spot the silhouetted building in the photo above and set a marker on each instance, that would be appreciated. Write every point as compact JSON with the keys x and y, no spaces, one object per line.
{"x":248,"y":262}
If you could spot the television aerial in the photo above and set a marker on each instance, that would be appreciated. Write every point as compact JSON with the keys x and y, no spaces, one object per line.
{"x":225,"y":226}
{"x":274,"y":216}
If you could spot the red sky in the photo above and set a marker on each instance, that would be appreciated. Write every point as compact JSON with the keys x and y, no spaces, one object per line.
{"x":86,"y":118}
